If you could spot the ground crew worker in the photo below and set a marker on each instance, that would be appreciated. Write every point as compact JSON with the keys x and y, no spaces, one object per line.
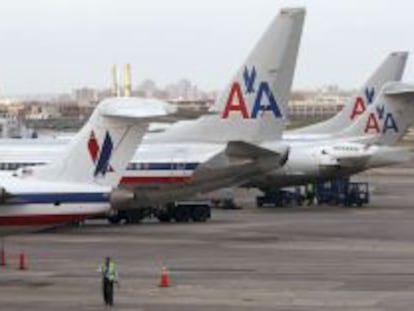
{"x":109,"y":277}
{"x":310,"y":192}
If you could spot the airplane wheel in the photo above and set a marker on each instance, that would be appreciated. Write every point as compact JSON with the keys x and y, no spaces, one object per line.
{"x":164,"y":217}
{"x":134,"y":217}
{"x":115,"y":219}
{"x":182,"y":214}
{"x":200,"y":213}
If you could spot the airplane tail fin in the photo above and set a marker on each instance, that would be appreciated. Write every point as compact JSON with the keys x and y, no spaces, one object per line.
{"x":265,"y":78}
{"x":391,"y":69}
{"x":253,"y":105}
{"x":388,"y":118}
{"x":101,"y":150}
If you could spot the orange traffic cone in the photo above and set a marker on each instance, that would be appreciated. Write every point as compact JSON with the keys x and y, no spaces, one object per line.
{"x":2,"y":257}
{"x":22,"y":261}
{"x":165,"y":278}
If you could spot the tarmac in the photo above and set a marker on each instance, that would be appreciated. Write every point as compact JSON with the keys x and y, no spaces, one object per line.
{"x":301,"y":258}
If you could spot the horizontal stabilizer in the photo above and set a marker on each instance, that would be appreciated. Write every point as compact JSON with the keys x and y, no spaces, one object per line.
{"x":144,"y":109}
{"x":240,"y":149}
{"x":399,"y":89}
{"x":238,"y":162}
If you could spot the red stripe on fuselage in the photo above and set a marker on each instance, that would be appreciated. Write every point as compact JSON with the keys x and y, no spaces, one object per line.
{"x":33,"y":220}
{"x":154,"y":179}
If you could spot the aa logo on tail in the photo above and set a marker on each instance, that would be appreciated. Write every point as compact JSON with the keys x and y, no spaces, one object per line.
{"x":362,"y":102}
{"x":379,"y":121}
{"x":261,"y":93}
{"x":100,"y":155}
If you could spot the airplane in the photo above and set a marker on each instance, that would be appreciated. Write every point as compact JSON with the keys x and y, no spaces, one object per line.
{"x":384,"y":123}
{"x":374,"y":134}
{"x":80,"y":182}
{"x":237,"y":143}
{"x":228,"y":151}
{"x":368,"y":142}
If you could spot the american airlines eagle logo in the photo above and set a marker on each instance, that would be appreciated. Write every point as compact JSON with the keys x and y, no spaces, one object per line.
{"x":253,"y":89}
{"x":100,"y":155}
{"x":379,"y":121}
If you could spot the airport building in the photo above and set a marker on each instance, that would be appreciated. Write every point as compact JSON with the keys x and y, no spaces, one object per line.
{"x":316,"y":107}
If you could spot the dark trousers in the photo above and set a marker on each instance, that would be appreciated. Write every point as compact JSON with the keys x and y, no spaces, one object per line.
{"x":108,"y":291}
{"x":311,"y":198}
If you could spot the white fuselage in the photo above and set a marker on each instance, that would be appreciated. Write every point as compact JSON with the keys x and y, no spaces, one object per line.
{"x":163,"y":171}
{"x":29,"y":201}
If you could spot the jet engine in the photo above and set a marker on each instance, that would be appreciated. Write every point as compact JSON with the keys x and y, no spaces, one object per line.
{"x":121,"y":199}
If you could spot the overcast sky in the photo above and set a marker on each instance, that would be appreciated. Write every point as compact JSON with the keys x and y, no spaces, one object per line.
{"x":57,"y":45}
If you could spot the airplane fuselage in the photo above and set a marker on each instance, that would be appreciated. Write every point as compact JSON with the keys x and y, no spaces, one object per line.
{"x":161,"y":172}
{"x":34,"y":202}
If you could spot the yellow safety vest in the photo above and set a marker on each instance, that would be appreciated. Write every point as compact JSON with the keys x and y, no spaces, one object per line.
{"x":109,"y":272}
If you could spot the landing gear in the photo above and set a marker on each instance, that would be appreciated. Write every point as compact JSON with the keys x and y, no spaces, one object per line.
{"x":135,"y":216}
{"x":164,"y":217}
{"x":182,"y":213}
{"x":200,"y":213}
{"x":179,"y":212}
{"x":115,"y":219}
{"x":131,"y":216}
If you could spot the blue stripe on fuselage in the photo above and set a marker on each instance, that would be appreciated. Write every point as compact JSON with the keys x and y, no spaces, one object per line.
{"x":78,"y":197}
{"x":133,"y":166}
{"x":173,"y":166}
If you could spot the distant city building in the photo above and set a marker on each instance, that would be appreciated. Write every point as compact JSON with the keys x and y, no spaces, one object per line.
{"x":42,"y":110}
{"x":148,"y":88}
{"x":79,"y":104}
{"x":105,"y":93}
{"x":316,"y":105}
{"x":69,"y":109}
{"x":193,"y":105}
{"x":185,"y":90}
{"x":86,"y":97}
